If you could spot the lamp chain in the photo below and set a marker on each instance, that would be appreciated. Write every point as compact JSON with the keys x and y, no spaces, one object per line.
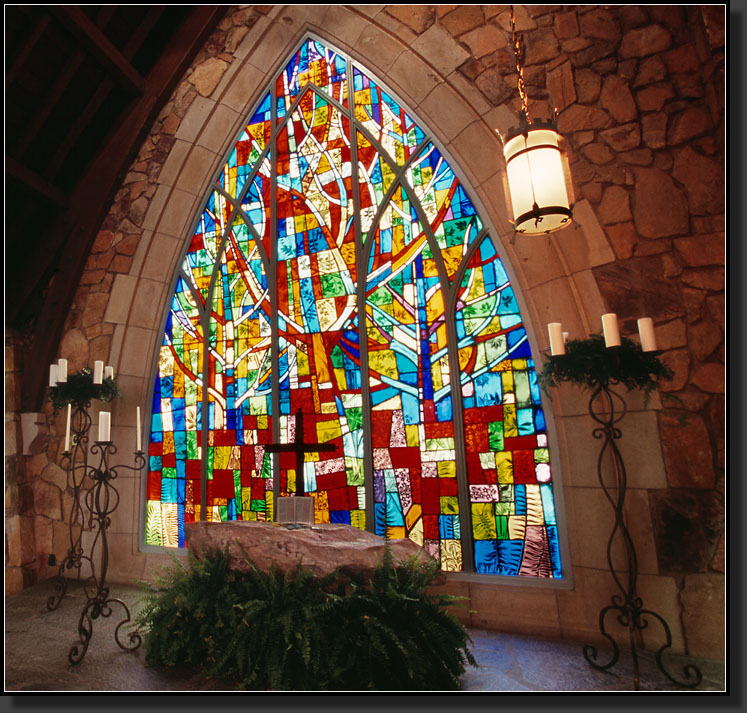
{"x":518,"y":51}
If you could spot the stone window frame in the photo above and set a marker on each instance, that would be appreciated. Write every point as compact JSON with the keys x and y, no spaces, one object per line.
{"x":493,"y":233}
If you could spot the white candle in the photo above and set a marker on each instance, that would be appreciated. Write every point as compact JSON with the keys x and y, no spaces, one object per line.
{"x":98,"y":372}
{"x":139,"y":432}
{"x":646,"y":330}
{"x":557,"y":345}
{"x":109,"y":372}
{"x":62,"y":371}
{"x":611,"y":331}
{"x":104,"y":425}
{"x":565,"y":337}
{"x":53,"y":374}
{"x":67,"y":429}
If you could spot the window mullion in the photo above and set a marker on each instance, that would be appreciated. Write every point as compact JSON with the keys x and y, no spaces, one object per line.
{"x":272,"y":280}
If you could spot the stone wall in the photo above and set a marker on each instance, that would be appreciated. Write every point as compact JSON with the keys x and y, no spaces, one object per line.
{"x":640,"y":95}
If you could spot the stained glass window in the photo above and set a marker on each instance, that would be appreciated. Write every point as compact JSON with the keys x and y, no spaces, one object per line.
{"x":340,"y":268}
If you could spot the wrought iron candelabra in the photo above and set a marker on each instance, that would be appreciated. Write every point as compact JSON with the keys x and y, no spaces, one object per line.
{"x":101,"y":501}
{"x":75,"y":463}
{"x":93,"y":488}
{"x":607,"y":408}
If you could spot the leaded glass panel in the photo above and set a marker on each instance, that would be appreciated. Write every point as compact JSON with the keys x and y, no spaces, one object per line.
{"x":339,"y":268}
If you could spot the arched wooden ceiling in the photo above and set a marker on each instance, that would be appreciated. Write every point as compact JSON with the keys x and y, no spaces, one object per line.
{"x":83,"y":85}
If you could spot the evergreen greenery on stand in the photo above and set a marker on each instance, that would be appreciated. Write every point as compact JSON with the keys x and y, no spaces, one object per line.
{"x":299,"y":632}
{"x":80,"y":390}
{"x":589,"y":362}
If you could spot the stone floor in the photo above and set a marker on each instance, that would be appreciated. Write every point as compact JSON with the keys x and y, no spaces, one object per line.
{"x":37,"y":643}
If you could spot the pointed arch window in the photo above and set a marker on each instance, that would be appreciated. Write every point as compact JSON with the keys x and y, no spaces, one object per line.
{"x":339,"y":267}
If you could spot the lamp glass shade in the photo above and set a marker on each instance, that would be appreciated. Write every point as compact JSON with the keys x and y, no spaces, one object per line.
{"x":537,"y":181}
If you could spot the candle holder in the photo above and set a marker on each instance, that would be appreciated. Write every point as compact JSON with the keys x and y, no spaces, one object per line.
{"x":592,"y":364}
{"x":101,"y":500}
{"x":75,"y":464}
{"x":76,"y":392}
{"x":627,"y":604}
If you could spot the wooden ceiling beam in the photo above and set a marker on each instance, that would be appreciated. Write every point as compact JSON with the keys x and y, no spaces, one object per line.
{"x":95,"y":102}
{"x":99,"y":45}
{"x":91,"y":199}
{"x":19,"y":61}
{"x":35,"y":182}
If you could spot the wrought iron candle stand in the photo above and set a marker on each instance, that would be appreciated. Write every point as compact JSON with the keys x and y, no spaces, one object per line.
{"x":101,"y":501}
{"x":75,"y":463}
{"x":628,"y":605}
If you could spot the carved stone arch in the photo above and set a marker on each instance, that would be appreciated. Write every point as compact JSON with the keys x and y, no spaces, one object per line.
{"x":547,"y":287}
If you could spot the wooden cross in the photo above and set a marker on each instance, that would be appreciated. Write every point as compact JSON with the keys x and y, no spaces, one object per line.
{"x":300,"y":449}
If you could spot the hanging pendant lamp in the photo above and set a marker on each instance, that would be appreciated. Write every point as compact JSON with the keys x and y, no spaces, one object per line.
{"x":536,"y":167}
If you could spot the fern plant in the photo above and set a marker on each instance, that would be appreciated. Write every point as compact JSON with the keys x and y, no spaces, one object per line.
{"x":296,"y":631}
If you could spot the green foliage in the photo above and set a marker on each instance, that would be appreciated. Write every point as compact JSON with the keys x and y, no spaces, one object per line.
{"x":297,"y":631}
{"x":588,"y":362}
{"x":80,"y":390}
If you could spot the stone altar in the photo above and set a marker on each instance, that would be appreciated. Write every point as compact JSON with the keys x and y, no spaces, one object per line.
{"x":321,"y":548}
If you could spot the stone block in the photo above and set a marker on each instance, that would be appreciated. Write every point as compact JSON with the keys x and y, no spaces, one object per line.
{"x":463,"y":19}
{"x":645,"y":41}
{"x":160,"y":263}
{"x":566,"y":25}
{"x":199,"y":167}
{"x":589,"y":525}
{"x":660,"y":209}
{"x":206,"y":76}
{"x":561,"y":85}
{"x":541,"y":46}
{"x":578,"y":117}
{"x":555,"y":301}
{"x":579,"y":609}
{"x":241,"y":92}
{"x":660,"y":595}
{"x":650,"y":71}
{"x":169,"y":173}
{"x":120,"y":301}
{"x":381,"y":50}
{"x":686,"y":125}
{"x":530,"y":611}
{"x":438,"y":47}
{"x":454,"y":115}
{"x":417,"y":17}
{"x":47,"y":500}
{"x":687,"y":450}
{"x":703,"y":179}
{"x":462,"y":610}
{"x":484,"y":40}
{"x":148,"y":303}
{"x":416,"y":78}
{"x":126,"y":564}
{"x":687,"y":525}
{"x":710,"y":378}
{"x":194,"y":119}
{"x":13,"y":580}
{"x":654,"y":96}
{"x":654,"y":128}
{"x":615,"y":206}
{"x":137,"y":350}
{"x":703,"y":615}
{"x":13,"y":541}
{"x":600,"y":24}
{"x":623,"y":238}
{"x":155,"y":208}
{"x":617,"y":99}
{"x":320,"y":548}
{"x":218,"y":135}
{"x":180,"y":209}
{"x":584,"y":243}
